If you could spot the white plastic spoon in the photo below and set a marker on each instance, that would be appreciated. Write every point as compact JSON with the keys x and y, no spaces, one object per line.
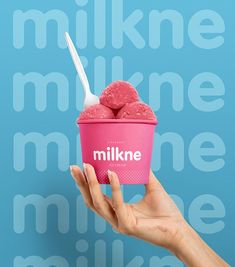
{"x":90,"y":99}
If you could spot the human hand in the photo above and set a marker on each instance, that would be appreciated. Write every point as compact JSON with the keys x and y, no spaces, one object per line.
{"x":155,"y":218}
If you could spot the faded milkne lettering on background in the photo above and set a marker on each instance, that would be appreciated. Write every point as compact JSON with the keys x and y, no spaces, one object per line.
{"x":197,"y":94}
{"x":196,"y":215}
{"x":41,"y":205}
{"x":204,"y":92}
{"x":122,"y":27}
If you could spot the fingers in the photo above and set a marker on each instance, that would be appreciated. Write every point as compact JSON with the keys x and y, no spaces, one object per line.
{"x":118,"y":204}
{"x":112,"y":209}
{"x":109,"y":200}
{"x":154,"y":184}
{"x":117,"y":199}
{"x":100,"y":202}
{"x":80,"y":179}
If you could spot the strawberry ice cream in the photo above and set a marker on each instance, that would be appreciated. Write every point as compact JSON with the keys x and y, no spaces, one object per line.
{"x":119,"y":100}
{"x":117,"y":94}
{"x":136,"y":110}
{"x":97,"y":111}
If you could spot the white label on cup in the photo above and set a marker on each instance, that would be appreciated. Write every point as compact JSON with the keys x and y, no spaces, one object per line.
{"x":114,"y":154}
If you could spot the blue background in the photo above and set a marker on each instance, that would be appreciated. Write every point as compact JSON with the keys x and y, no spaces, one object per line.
{"x":188,"y":184}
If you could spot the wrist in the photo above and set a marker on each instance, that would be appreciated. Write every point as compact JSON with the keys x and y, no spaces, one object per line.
{"x":187,"y":236}
{"x":184,"y":233}
{"x":189,"y":247}
{"x":192,"y":250}
{"x":178,"y":237}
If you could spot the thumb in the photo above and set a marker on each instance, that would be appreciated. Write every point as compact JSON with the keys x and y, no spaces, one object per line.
{"x":154,"y":184}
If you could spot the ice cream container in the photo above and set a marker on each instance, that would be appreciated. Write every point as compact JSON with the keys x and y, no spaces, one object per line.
{"x":123,"y":146}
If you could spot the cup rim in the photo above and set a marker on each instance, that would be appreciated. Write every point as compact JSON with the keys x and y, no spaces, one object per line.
{"x":116,"y":121}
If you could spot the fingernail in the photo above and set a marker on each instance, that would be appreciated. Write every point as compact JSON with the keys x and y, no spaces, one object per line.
{"x":71,"y":169}
{"x":109,"y":175}
{"x":85,"y":168}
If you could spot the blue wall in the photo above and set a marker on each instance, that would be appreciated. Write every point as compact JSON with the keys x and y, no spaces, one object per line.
{"x":201,"y":185}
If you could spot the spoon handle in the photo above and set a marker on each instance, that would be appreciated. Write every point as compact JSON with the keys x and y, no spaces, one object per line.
{"x":78,"y":64}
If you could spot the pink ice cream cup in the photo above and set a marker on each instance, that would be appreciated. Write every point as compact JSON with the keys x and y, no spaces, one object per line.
{"x":123,"y":146}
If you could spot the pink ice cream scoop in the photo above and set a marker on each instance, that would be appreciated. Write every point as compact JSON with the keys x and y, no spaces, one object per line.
{"x":136,"y":110}
{"x":97,"y":111}
{"x":117,"y":94}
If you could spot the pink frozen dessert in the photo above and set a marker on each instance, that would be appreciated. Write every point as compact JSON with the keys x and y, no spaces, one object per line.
{"x":136,"y":110}
{"x":117,"y":94}
{"x":97,"y":111}
{"x":119,"y":100}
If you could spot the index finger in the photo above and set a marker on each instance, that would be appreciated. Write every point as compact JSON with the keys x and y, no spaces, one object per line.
{"x":98,"y":198}
{"x":153,"y":184}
